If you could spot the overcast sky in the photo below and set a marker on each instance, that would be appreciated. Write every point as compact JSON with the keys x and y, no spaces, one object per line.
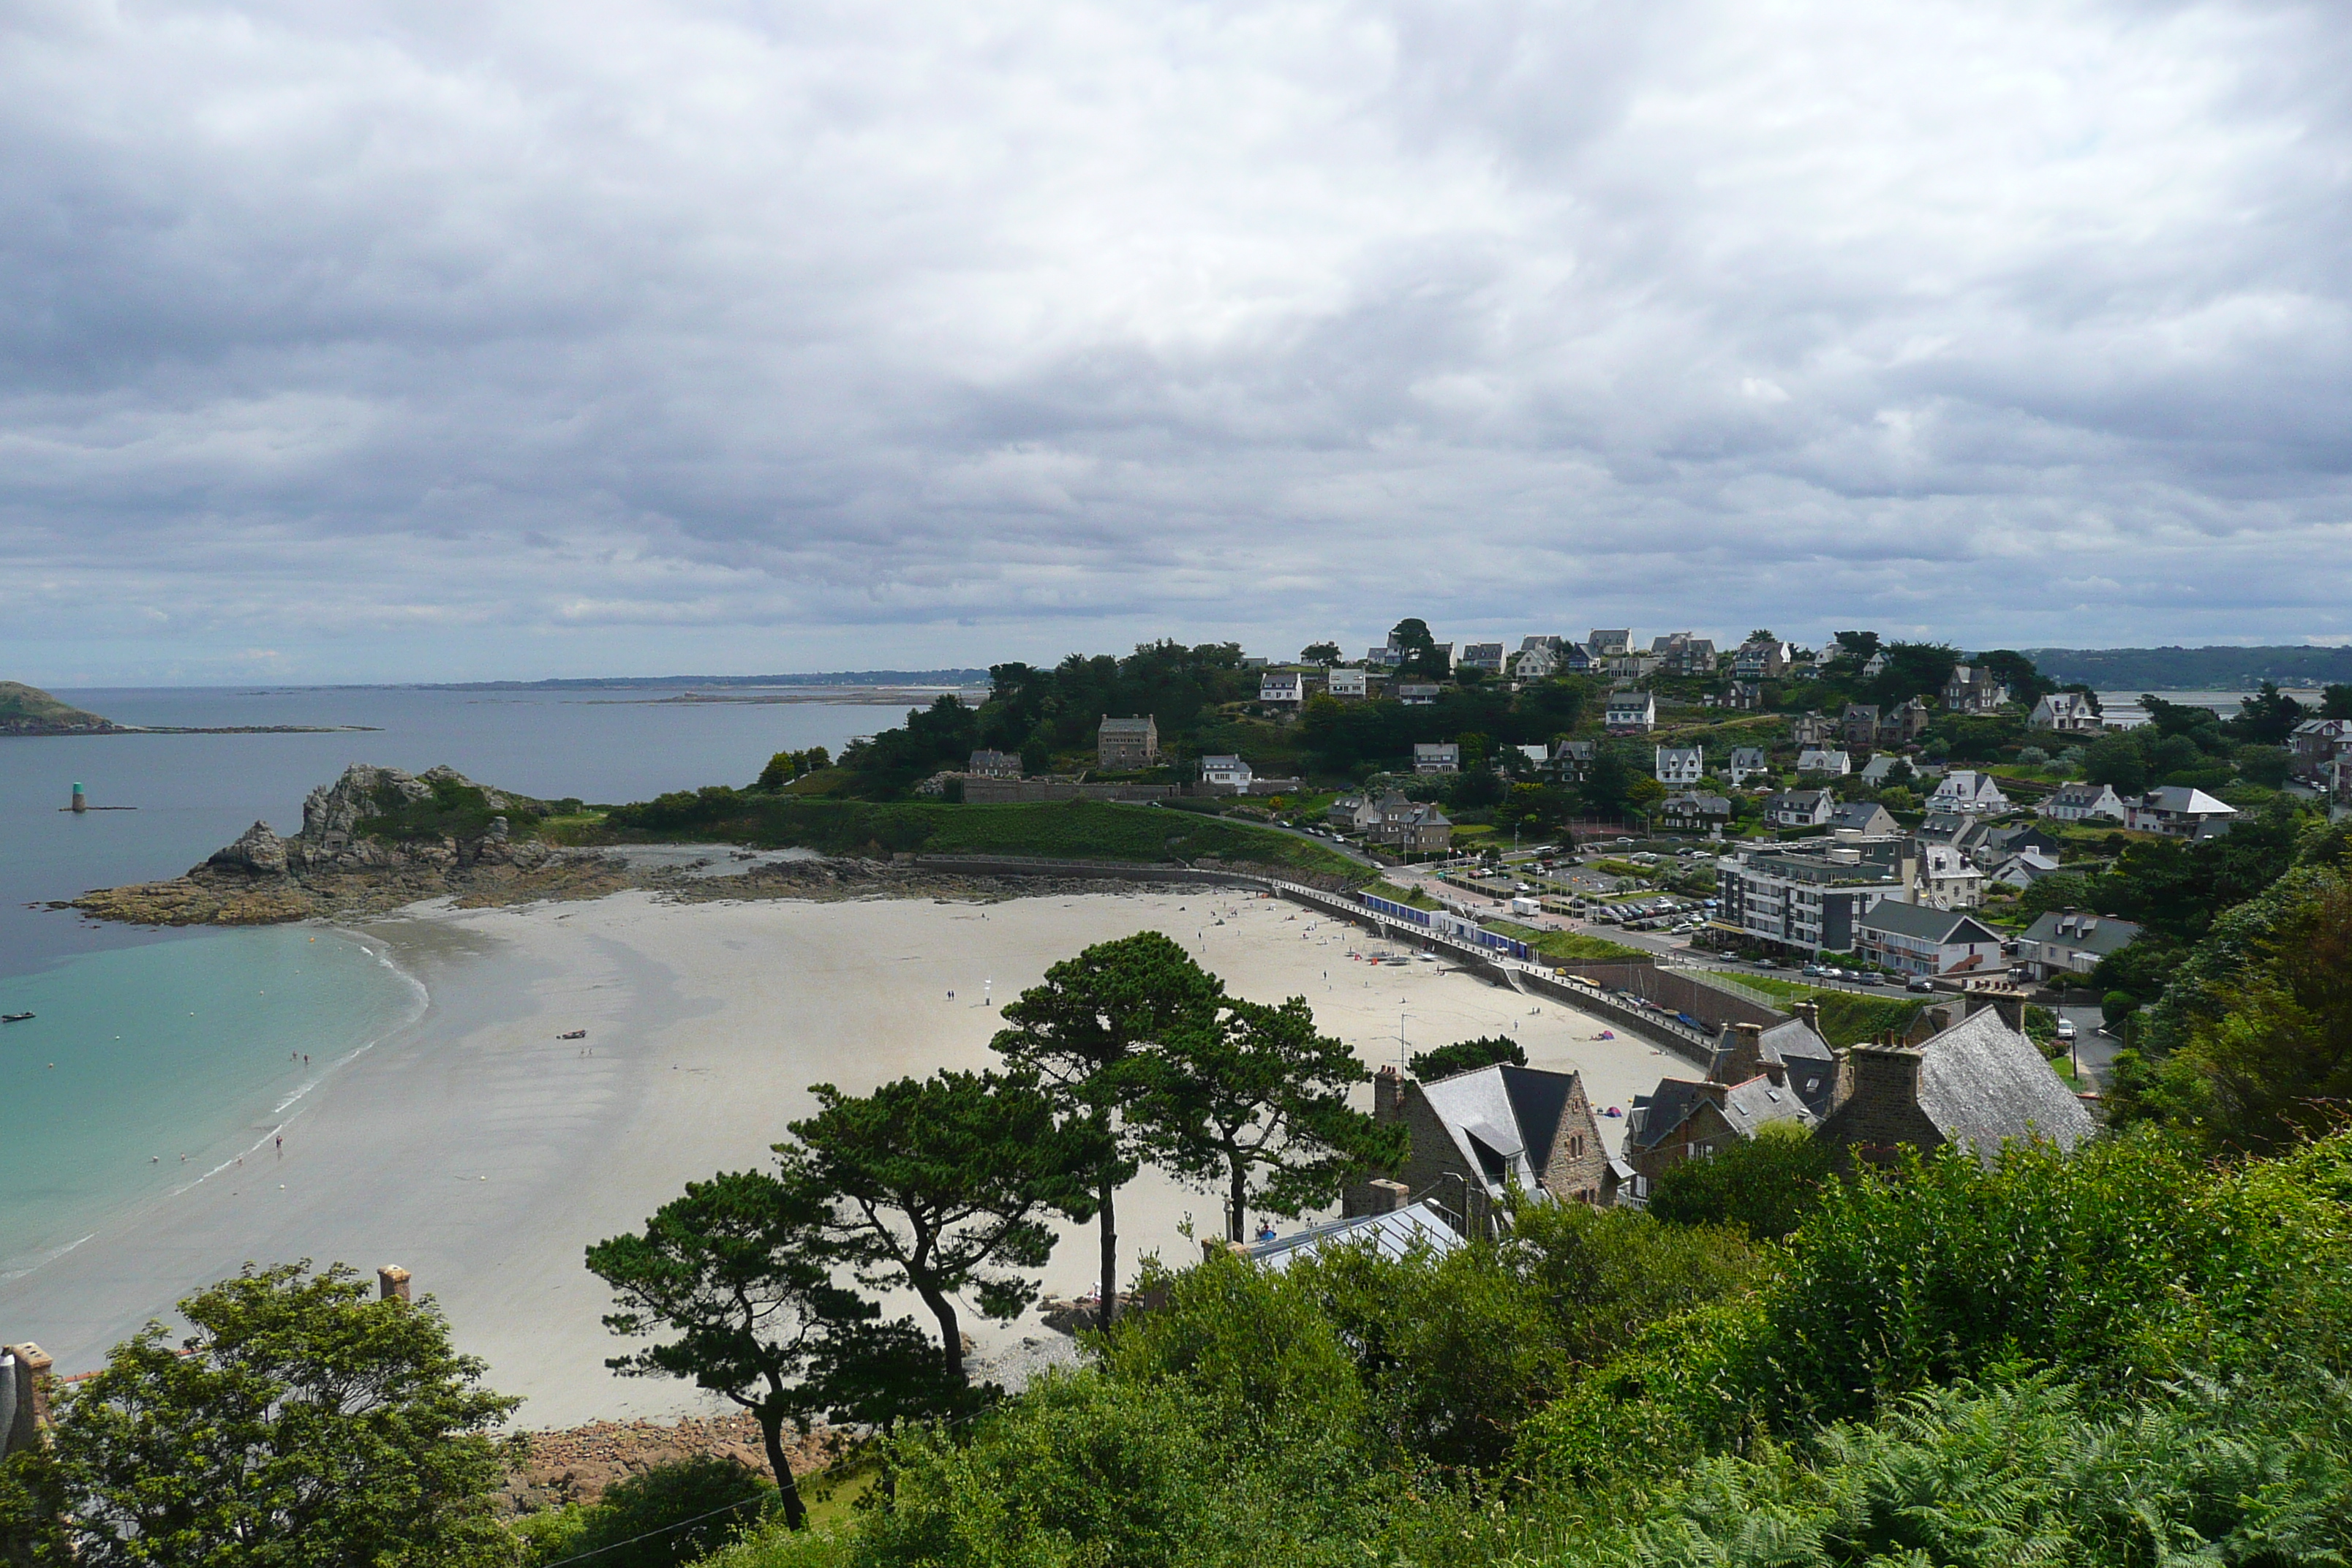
{"x":452,"y":341}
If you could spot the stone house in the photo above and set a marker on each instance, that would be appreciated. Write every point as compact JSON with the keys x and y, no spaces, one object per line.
{"x":1436,"y":757}
{"x":1573,"y":759}
{"x":1124,"y":745}
{"x":990,"y":765}
{"x":1757,"y":1077}
{"x":1813,"y":730}
{"x":1604,"y":644}
{"x":1972,"y":689}
{"x":1976,"y":1086}
{"x":1476,"y":1135}
{"x":1353,"y":814}
{"x":1765,"y":659}
{"x":1410,"y":825}
{"x":1693,"y":811}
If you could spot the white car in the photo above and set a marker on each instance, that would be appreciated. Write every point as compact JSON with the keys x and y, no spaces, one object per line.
{"x":2065,"y":1029}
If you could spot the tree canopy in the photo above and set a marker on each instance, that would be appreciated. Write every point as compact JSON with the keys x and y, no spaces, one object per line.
{"x":945,"y":1185}
{"x":1255,"y":1107}
{"x":297,"y":1421}
{"x":1082,"y":1032}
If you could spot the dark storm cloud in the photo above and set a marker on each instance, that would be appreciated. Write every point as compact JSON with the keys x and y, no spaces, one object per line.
{"x":371,"y":341}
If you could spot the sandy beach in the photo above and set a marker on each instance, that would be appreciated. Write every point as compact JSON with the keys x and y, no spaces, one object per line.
{"x":483,"y":1154}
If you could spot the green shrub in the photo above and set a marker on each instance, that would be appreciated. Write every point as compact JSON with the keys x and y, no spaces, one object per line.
{"x":674,"y":1513}
{"x":1765,"y":1185}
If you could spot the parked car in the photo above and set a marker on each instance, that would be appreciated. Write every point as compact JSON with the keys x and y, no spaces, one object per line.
{"x":1919,"y":983}
{"x":2065,"y":1029}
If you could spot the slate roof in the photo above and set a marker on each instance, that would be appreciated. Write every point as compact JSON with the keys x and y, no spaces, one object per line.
{"x":1806,"y":1057}
{"x":1982,"y":1083}
{"x":1919,"y":921}
{"x":1861,"y":817}
{"x":2101,"y":934}
{"x":1416,"y":1226}
{"x":1502,"y":1119}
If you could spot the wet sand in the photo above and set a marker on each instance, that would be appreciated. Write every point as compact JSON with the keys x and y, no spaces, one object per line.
{"x":484,"y":1154}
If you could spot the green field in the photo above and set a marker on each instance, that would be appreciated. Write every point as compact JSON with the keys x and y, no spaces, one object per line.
{"x":1847,"y":1017}
{"x":1412,"y":898}
{"x":1071,"y":830}
{"x":1566,"y":946}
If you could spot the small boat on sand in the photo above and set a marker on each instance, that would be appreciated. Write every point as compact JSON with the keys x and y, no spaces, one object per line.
{"x":14,"y":1018}
{"x":574,"y":1035}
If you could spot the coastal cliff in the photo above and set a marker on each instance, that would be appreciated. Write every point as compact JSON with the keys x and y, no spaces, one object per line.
{"x":29,"y":711}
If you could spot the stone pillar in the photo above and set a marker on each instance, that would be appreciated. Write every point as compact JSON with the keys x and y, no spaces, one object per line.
{"x":24,"y":1395}
{"x":392,"y":1280}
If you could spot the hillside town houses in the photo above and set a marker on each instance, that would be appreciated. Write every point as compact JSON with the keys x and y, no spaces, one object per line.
{"x":1885,"y":823}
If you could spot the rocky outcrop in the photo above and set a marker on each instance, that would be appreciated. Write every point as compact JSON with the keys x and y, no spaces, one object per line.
{"x":344,"y":860}
{"x":259,"y":852}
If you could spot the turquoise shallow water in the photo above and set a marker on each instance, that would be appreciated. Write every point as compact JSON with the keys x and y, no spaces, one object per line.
{"x":207,"y":1020}
{"x":139,"y":1057}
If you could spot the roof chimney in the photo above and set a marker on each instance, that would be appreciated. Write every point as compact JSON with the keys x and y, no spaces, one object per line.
{"x":1885,"y":1076}
{"x":1388,"y":1095}
{"x":1388,"y":1196}
{"x":2006,"y":1000}
{"x":1809,"y":1013}
{"x":390,"y":1280}
{"x":1741,"y":1055}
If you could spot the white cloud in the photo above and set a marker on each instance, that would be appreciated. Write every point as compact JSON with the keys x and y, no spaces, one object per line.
{"x":525,"y":338}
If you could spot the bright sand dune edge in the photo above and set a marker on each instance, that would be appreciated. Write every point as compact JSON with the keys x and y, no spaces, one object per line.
{"x":483,"y":1154}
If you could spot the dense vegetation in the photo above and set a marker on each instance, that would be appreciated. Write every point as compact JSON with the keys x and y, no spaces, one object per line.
{"x":452,"y":809}
{"x":2123,"y":1358}
{"x":1081,"y":830}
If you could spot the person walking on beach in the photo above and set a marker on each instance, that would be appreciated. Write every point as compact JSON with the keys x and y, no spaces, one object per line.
{"x":281,"y":1145}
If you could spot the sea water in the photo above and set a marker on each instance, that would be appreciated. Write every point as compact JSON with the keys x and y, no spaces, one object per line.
{"x":146,"y":1069}
{"x":151,"y":1045}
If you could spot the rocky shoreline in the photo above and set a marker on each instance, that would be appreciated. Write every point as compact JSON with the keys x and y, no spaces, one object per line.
{"x":575,"y":1466}
{"x":336,"y":869}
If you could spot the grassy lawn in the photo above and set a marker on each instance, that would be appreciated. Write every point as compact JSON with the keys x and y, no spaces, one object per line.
{"x":1847,"y":1017}
{"x":1411,"y":898}
{"x":1565,"y":946}
{"x":1072,"y":831}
